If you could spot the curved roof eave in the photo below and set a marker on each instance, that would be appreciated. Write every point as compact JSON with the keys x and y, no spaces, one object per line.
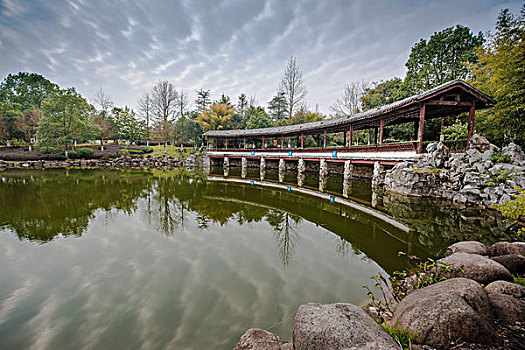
{"x":326,"y":124}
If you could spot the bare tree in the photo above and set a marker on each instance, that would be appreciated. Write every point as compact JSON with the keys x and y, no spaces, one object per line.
{"x":350,"y":101}
{"x":164,"y":98}
{"x":103,"y":101}
{"x":145,"y":104}
{"x":182,"y":106}
{"x":292,"y":86}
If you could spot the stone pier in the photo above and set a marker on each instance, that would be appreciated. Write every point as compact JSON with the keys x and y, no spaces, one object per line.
{"x":282,"y":169}
{"x":301,"y":167}
{"x":262,"y":169}
{"x":323,"y":173}
{"x":226,"y":166}
{"x":244,"y":165}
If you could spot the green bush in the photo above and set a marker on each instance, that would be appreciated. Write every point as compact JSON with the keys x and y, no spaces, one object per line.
{"x":401,"y":336}
{"x":50,"y":150}
{"x":498,"y":157}
{"x":149,"y":150}
{"x":72,"y":154}
{"x":85,"y":153}
{"x":124,"y":152}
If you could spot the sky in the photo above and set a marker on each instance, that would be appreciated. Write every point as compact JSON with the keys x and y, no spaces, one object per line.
{"x":229,"y":46}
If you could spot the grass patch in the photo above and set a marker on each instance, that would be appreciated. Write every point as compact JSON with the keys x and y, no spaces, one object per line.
{"x":518,"y":279}
{"x":403,"y":337}
{"x":171,"y":151}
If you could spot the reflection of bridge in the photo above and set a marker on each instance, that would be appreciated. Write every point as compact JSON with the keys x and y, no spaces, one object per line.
{"x":335,"y":140}
{"x":375,"y":234}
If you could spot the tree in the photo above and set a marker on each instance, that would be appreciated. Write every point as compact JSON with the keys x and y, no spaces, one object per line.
{"x":182,"y":106}
{"x":67,"y":118}
{"x":277,"y":106}
{"x":292,"y":86}
{"x":105,"y":128}
{"x":27,"y":89}
{"x":203,"y":100}
{"x":103,"y":101}
{"x":27,"y":124}
{"x":127,"y":127}
{"x":350,"y":102}
{"x":145,"y":104}
{"x":303,"y":115}
{"x":499,"y":72}
{"x":4,"y":134}
{"x":442,"y":58}
{"x":218,"y":116}
{"x":164,"y":97}
{"x":242,"y":105}
{"x":257,"y":118}
{"x":225,"y":99}
{"x":383,"y":93}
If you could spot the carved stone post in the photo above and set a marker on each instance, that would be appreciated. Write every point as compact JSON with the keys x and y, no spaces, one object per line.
{"x":244,"y":165}
{"x":262,"y":172}
{"x":282,"y":169}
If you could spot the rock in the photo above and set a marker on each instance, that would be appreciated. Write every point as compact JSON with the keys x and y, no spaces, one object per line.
{"x":447,"y":311}
{"x":505,"y":248}
{"x":259,"y":339}
{"x":508,"y":288}
{"x":515,"y":263}
{"x":507,"y":308}
{"x":477,"y":267}
{"x":337,"y":326}
{"x":481,"y":144}
{"x":471,"y":247}
{"x":437,"y":154}
{"x":515,"y":152}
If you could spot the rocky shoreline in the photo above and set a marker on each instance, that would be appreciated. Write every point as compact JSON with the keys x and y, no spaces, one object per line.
{"x":122,"y":162}
{"x":472,"y":177}
{"x":478,"y":308}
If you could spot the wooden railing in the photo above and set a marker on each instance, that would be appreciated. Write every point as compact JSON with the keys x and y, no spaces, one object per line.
{"x":386,"y":147}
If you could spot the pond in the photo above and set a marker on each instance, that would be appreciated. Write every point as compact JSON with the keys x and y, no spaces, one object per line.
{"x":157,"y":259}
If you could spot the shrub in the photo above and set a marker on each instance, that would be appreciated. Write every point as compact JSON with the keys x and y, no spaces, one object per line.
{"x":72,"y":154}
{"x":85,"y":153}
{"x":148,"y":150}
{"x":403,"y":337}
{"x":50,"y":150}
{"x":514,"y":210}
{"x":498,"y":157}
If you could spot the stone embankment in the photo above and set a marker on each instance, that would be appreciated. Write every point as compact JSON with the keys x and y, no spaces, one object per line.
{"x":481,"y":308}
{"x":471,"y":177}
{"x":122,"y":162}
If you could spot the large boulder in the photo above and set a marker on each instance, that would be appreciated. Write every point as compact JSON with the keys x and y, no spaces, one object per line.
{"x":481,"y":144}
{"x":515,"y":263}
{"x":515,"y":152}
{"x":471,"y":247}
{"x":477,"y":267}
{"x":505,"y":248}
{"x":507,"y":308}
{"x":447,"y":311}
{"x":259,"y":339}
{"x":337,"y":326}
{"x":437,"y":154}
{"x":508,"y":288}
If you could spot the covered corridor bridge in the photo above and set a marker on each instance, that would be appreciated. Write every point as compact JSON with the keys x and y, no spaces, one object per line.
{"x":288,"y":142}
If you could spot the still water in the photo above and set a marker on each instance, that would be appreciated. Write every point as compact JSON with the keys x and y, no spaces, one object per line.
{"x":122,"y":259}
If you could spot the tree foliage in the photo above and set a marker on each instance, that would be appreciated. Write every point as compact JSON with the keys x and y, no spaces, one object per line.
{"x":500,"y":73}
{"x":126,"y":126}
{"x":203,"y":100}
{"x":218,"y":116}
{"x":442,"y":58}
{"x":67,"y":118}
{"x":303,"y":115}
{"x":380,"y":94}
{"x":28,"y":90}
{"x":350,"y":101}
{"x":257,"y":118}
{"x":277,"y":106}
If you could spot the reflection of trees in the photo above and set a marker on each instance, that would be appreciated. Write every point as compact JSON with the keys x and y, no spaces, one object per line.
{"x":42,"y":205}
{"x":285,"y":228}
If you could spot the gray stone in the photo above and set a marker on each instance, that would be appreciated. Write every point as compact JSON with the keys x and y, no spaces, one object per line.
{"x":258,"y":339}
{"x":471,"y":247}
{"x":515,"y":152}
{"x":337,"y":326}
{"x":447,"y":311}
{"x":505,"y":248}
{"x":481,"y":144}
{"x":477,"y":267}
{"x":504,"y":287}
{"x":507,"y":308}
{"x":515,"y":263}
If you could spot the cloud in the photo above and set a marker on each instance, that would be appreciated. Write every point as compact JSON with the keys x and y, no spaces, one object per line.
{"x":229,"y":46}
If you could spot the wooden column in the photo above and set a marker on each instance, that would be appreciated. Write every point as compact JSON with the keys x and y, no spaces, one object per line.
{"x":375,"y":136}
{"x":226,"y":143}
{"x":470,"y":128}
{"x":422,"y":111}
{"x":381,"y":132}
{"x":344,"y":138}
{"x":302,"y":141}
{"x":282,"y":141}
{"x":244,"y":140}
{"x":263,"y":144}
{"x":324,"y":143}
{"x":207,"y":143}
{"x":350,"y":136}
